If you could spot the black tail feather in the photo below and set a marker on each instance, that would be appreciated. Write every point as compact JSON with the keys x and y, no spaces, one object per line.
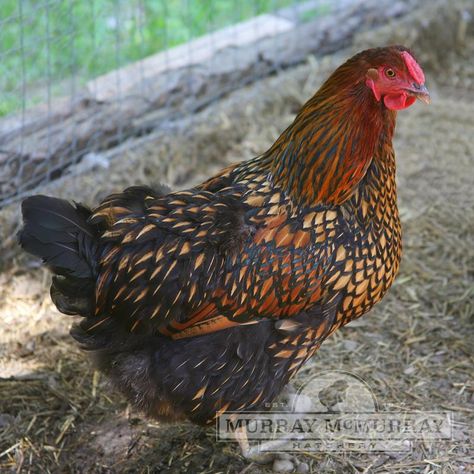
{"x":59,"y":233}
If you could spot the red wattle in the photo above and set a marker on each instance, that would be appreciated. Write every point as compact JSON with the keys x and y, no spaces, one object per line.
{"x":398,"y":101}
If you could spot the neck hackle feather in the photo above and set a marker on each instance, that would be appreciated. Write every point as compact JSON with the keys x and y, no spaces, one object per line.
{"x":322,"y":156}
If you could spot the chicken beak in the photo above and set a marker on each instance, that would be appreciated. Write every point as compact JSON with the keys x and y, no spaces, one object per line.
{"x":420,"y":92}
{"x":423,"y":95}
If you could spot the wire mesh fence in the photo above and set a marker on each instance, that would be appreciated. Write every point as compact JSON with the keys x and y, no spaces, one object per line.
{"x":75,"y":76}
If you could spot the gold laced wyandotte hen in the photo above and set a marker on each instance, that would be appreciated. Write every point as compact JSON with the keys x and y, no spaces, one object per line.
{"x":209,"y":300}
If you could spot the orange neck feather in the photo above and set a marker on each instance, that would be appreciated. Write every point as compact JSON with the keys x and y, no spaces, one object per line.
{"x":322,"y":156}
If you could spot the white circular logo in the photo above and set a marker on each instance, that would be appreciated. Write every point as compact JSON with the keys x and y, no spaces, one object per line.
{"x":334,"y":391}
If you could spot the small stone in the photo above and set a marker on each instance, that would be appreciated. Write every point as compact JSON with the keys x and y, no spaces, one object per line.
{"x":259,"y":457}
{"x":6,"y":420}
{"x":283,"y":465}
{"x":350,"y":345}
{"x":302,"y":468}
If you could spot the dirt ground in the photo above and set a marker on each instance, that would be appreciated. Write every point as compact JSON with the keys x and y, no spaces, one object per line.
{"x":414,"y":349}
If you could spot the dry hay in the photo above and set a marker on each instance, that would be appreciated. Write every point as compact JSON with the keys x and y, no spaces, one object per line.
{"x":414,"y":349}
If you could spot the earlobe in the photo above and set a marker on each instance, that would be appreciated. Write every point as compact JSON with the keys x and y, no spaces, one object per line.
{"x":370,"y":83}
{"x":371,"y":76}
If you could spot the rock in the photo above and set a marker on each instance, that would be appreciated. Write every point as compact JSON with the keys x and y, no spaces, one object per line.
{"x":6,"y":420}
{"x":259,"y":457}
{"x":350,"y":345}
{"x":283,"y":465}
{"x":302,"y":468}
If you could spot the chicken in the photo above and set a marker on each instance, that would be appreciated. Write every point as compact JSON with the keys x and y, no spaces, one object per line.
{"x":333,"y":394}
{"x":209,"y":300}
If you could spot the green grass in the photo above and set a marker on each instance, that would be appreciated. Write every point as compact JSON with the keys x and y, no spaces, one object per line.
{"x":52,"y":41}
{"x":311,"y":14}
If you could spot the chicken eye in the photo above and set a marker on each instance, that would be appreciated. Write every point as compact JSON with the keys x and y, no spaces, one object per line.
{"x":390,"y":73}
